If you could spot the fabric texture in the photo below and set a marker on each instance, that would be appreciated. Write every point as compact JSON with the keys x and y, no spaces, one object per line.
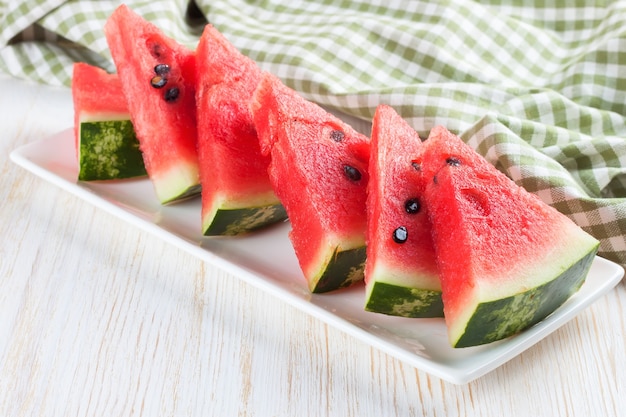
{"x":537,"y":87}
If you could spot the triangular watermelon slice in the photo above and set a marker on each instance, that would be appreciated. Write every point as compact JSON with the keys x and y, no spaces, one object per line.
{"x":106,"y":144}
{"x":158,"y":79}
{"x":237,"y":195}
{"x":507,"y":260}
{"x":401,"y":272}
{"x":319,"y":171}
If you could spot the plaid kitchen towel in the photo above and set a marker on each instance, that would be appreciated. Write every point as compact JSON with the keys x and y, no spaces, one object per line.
{"x":537,"y":87}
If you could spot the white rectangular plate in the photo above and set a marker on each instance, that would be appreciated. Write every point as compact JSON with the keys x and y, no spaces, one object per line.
{"x":266,"y":260}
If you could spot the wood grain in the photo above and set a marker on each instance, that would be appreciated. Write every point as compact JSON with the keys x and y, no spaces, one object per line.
{"x":98,"y":318}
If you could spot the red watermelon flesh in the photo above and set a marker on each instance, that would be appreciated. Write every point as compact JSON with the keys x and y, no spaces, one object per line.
{"x":237,"y":195}
{"x":105,"y":141}
{"x":158,"y":78}
{"x":319,"y":171}
{"x":401,"y":272}
{"x":506,"y":259}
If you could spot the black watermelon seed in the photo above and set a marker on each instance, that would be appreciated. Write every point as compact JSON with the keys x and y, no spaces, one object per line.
{"x":161,"y":69}
{"x":351,"y":173}
{"x":412,"y":206}
{"x":453,"y":162}
{"x":416,"y":165}
{"x":400,"y":235}
{"x":158,"y":81}
{"x":337,"y":135}
{"x":171,"y":94}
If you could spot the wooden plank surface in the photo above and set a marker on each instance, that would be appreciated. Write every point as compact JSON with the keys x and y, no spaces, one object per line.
{"x":98,"y":318}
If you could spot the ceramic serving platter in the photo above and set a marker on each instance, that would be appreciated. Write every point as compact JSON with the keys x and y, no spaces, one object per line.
{"x":267,"y":261}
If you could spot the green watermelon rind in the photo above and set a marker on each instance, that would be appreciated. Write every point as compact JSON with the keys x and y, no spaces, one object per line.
{"x":403,"y":301}
{"x":109,"y":150}
{"x":501,"y":318}
{"x":177,"y":183}
{"x":344,"y":268}
{"x":190,"y":192}
{"x":238,"y":221}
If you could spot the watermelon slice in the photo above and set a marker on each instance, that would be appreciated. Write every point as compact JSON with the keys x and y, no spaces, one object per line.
{"x":319,"y":171}
{"x":237,"y":195}
{"x":401,"y":272}
{"x":106,"y":144}
{"x":506,"y":259}
{"x":158,"y":79}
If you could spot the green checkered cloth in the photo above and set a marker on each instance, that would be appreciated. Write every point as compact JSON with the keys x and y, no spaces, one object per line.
{"x":537,"y":87}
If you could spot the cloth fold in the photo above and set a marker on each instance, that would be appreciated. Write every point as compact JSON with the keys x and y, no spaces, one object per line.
{"x":537,"y":88}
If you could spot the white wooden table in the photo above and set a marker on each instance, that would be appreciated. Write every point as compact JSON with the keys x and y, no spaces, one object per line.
{"x":98,"y":318}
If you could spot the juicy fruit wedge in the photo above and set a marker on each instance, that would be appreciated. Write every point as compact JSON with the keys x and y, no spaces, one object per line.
{"x":507,"y":260}
{"x":158,"y":79}
{"x":237,"y":195}
{"x":401,"y":272}
{"x":318,"y":170}
{"x":106,"y":144}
